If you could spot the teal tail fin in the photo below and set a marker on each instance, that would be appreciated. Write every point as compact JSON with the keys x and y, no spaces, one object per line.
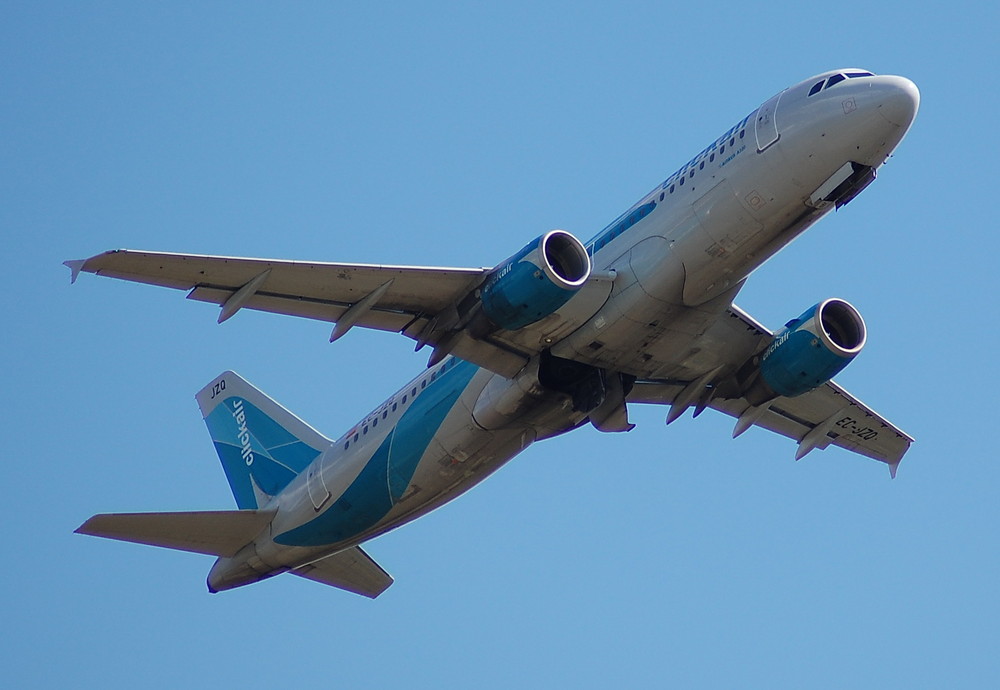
{"x":262,"y":445}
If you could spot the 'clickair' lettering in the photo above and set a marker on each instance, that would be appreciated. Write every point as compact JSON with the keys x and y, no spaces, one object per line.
{"x":243,"y":435}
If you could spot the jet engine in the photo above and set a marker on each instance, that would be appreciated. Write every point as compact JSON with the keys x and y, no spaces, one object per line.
{"x":536,"y":281}
{"x":809,"y":351}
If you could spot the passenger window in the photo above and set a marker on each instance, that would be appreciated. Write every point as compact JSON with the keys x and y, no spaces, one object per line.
{"x":711,"y":159}
{"x":661,"y":196}
{"x":394,"y":407}
{"x":701,"y":166}
{"x":347,"y":444}
{"x":413,"y":392}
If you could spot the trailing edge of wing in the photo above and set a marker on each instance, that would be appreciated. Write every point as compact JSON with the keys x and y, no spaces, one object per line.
{"x":352,"y":569}
{"x":216,"y":532}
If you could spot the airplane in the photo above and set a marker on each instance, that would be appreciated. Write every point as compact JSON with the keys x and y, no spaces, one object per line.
{"x":561,"y":334}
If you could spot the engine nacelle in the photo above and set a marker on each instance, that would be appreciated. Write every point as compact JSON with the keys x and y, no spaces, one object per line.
{"x":809,"y":351}
{"x":536,"y":281}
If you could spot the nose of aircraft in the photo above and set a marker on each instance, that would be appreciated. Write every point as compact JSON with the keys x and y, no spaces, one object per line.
{"x":898,"y":101}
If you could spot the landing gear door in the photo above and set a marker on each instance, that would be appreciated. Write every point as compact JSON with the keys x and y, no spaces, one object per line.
{"x":765,"y":126}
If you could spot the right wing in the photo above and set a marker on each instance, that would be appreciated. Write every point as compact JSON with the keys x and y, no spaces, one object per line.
{"x":825,"y":415}
{"x":423,"y":303}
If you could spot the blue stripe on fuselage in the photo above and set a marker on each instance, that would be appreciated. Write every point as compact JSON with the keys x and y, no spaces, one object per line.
{"x":642,"y":209}
{"x":386,"y":475}
{"x":631,"y":217}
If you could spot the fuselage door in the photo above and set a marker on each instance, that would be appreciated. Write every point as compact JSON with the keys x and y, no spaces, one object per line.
{"x":765,"y":126}
{"x":318,"y":493}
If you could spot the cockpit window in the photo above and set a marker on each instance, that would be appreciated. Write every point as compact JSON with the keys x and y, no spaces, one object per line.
{"x":836,"y":79}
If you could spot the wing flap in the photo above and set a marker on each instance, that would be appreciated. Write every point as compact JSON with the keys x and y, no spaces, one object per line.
{"x":215,"y":532}
{"x":294,"y":305}
{"x":352,"y":570}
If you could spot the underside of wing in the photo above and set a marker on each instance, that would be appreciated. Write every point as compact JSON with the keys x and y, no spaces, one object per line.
{"x":315,"y":290}
{"x":431,"y":305}
{"x":815,"y":420}
{"x":826,"y":415}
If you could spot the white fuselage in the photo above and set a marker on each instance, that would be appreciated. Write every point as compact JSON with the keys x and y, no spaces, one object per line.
{"x":679,"y":255}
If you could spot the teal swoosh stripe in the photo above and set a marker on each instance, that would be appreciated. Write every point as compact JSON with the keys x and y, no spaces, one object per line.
{"x":385,"y":477}
{"x":416,"y":428}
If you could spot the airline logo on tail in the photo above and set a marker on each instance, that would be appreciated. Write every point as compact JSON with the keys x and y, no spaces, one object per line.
{"x":242,"y":434}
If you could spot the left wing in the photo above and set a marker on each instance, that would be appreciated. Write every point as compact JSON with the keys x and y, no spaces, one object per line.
{"x":823,"y":416}
{"x":423,"y":303}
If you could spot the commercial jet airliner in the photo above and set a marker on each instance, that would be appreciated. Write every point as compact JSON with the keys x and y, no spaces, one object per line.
{"x":559,"y":335}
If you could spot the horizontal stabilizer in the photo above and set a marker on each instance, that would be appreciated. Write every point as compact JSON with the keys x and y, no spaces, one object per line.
{"x":216,"y":533}
{"x":352,"y":569}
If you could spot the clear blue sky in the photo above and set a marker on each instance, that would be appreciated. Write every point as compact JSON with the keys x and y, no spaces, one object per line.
{"x":451,"y":134}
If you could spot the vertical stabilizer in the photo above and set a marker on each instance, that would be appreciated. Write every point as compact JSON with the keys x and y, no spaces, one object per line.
{"x":262,"y":445}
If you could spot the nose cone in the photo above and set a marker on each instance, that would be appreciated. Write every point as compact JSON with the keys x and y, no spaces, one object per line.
{"x":899,"y":100}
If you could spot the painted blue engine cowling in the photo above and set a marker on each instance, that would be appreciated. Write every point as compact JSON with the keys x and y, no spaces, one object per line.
{"x":813,"y":348}
{"x":536,"y":281}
